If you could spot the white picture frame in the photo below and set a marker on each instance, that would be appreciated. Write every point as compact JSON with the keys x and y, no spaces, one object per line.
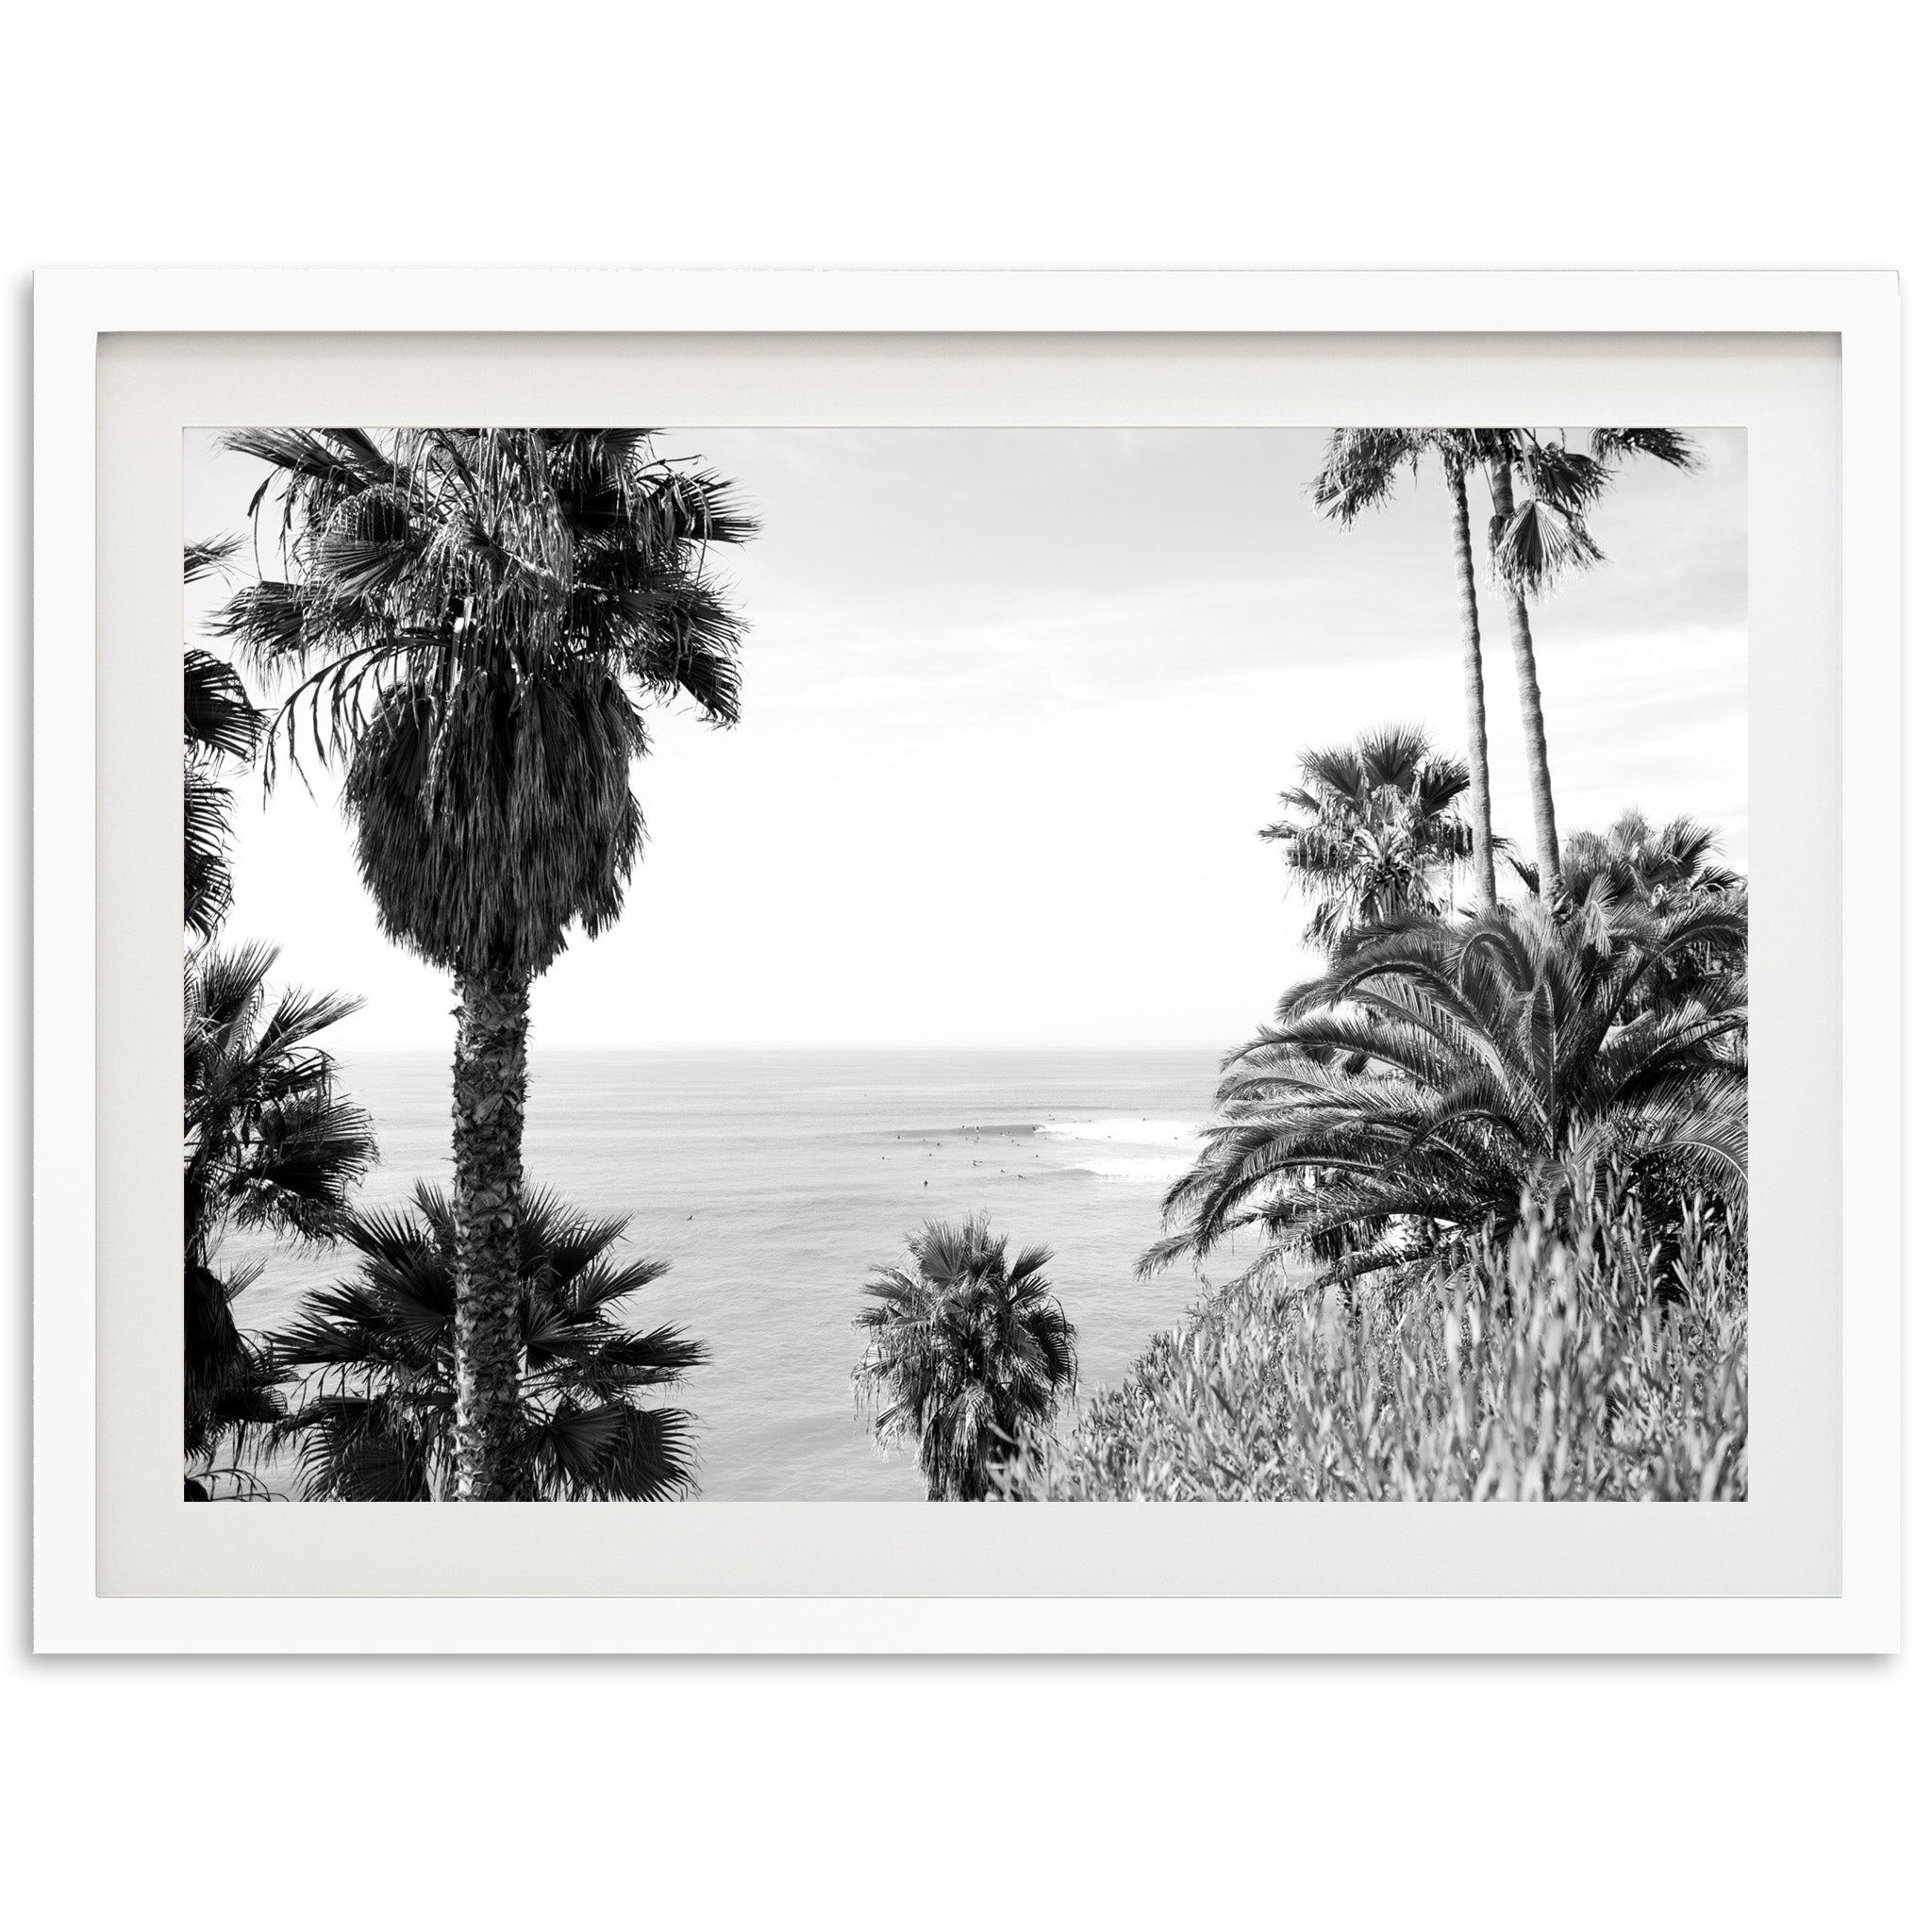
{"x":76,"y":309}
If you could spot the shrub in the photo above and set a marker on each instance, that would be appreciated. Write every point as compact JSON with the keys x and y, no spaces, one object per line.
{"x":1577,"y":1360}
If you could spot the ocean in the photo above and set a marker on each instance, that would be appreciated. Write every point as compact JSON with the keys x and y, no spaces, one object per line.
{"x":775,"y":1182}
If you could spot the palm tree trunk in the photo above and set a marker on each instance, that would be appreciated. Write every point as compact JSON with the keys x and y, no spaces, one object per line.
{"x":492,"y":1029}
{"x":1542,"y":803}
{"x":1482,"y":826}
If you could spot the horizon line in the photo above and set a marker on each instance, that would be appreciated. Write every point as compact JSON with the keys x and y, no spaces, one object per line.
{"x":831,"y":1046}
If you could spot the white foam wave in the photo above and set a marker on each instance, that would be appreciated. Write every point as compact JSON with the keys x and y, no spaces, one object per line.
{"x":1133,"y":1169}
{"x":1138,"y":1133}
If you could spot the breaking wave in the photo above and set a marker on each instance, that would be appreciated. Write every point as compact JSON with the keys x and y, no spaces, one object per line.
{"x":1170,"y":1169}
{"x":1138,"y":1133}
{"x":1177,"y":1142}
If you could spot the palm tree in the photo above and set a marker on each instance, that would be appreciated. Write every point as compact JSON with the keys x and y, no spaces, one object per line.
{"x":1410,"y":1100}
{"x":1539,"y":490}
{"x":479,"y":615}
{"x":1644,"y":871}
{"x":964,"y":1348}
{"x":268,"y":1143}
{"x":376,"y":1354}
{"x":1378,"y":831}
{"x":1360,"y":471}
{"x":1657,"y":868}
{"x":219,"y":725}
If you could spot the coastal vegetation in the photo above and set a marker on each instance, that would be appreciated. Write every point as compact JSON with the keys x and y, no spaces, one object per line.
{"x":1478,"y":1191}
{"x":373,"y":1359}
{"x":1549,"y":1364}
{"x":1488,"y":1170}
{"x":1491,"y":1172}
{"x":965,"y":1348}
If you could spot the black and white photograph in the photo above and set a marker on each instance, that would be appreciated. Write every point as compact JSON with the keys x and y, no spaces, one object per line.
{"x":965,"y":964}
{"x":874,"y":810}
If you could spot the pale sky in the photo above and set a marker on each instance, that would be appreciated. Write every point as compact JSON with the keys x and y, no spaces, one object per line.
{"x":1016,"y":704}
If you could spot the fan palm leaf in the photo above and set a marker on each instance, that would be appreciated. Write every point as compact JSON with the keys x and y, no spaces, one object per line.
{"x":375,"y":1358}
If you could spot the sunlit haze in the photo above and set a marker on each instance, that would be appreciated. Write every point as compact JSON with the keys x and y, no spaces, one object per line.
{"x":1016,"y":702}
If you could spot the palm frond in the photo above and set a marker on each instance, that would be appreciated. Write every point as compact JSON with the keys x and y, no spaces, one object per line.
{"x":1538,"y":544}
{"x":1670,"y":446}
{"x":1437,"y":1075}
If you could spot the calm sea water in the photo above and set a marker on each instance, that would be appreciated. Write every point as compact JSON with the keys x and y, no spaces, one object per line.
{"x":773,"y":1182}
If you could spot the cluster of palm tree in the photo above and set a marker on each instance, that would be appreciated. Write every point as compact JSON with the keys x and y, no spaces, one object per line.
{"x":1443,"y":1070}
{"x":1539,"y":492}
{"x":965,"y":1350}
{"x":468,"y":624}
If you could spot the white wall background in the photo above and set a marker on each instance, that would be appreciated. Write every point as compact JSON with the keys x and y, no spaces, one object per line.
{"x":1037,"y":134}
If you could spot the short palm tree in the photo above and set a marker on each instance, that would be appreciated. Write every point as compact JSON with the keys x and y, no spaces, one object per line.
{"x":1361,"y":470}
{"x":1637,"y":871}
{"x":376,"y":1357}
{"x":479,"y":616}
{"x":1644,"y":867}
{"x":1375,"y":832}
{"x":1409,"y":1099}
{"x":964,"y":1348}
{"x":268,"y":1143}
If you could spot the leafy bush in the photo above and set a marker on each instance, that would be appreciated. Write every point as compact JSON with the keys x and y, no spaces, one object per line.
{"x":1581,"y":1358}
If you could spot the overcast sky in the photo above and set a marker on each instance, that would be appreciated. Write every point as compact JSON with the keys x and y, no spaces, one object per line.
{"x":1016,"y":702}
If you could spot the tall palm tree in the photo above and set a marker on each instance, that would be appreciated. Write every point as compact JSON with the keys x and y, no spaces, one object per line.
{"x":1376,"y":831}
{"x":268,"y":1143}
{"x":1539,"y":489}
{"x":479,"y":616}
{"x":1360,"y":471}
{"x":1409,"y":1099}
{"x":375,"y":1356}
{"x":963,"y":1349}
